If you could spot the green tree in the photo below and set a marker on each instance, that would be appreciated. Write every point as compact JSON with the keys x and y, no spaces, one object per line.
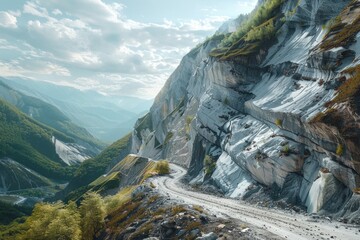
{"x":92,"y":210}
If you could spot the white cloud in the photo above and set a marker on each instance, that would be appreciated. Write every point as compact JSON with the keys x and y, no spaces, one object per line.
{"x":92,"y":44}
{"x":35,"y":10}
{"x":8,"y":20}
{"x":57,"y":12}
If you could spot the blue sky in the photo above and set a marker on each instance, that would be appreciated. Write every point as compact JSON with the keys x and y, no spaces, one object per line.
{"x":127,"y":47}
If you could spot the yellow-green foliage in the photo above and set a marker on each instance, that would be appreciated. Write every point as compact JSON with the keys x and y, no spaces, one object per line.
{"x":342,"y":31}
{"x":209,"y":165}
{"x":114,"y":202}
{"x":265,"y":12}
{"x":156,"y":168}
{"x":169,"y":135}
{"x":278,"y":122}
{"x":248,"y":38}
{"x":52,"y":221}
{"x":339,"y":150}
{"x":198,"y":208}
{"x":177,"y":209}
{"x":92,"y":210}
{"x":263,"y":32}
{"x":144,"y":230}
{"x":350,"y":87}
{"x":162,"y":167}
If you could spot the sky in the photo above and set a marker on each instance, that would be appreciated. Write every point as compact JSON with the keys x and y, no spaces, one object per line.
{"x":127,"y":47}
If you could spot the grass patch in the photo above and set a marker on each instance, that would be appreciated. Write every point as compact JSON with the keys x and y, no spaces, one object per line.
{"x":198,"y":208}
{"x":341,"y":32}
{"x":349,"y":88}
{"x":177,"y":209}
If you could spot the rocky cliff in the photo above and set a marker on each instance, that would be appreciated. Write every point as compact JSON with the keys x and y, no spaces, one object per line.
{"x":278,"y":112}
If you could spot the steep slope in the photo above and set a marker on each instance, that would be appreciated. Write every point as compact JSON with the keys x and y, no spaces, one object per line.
{"x":259,"y":108}
{"x":93,"y":168}
{"x":53,"y":117}
{"x":108,"y":118}
{"x":30,"y":145}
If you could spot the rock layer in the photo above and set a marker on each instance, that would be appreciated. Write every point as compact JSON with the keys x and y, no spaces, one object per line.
{"x":254,"y":118}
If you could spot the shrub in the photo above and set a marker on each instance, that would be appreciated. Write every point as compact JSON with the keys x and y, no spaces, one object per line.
{"x":285,"y":150}
{"x":162,"y":167}
{"x":339,"y":150}
{"x":209,"y":165}
{"x":278,"y":122}
{"x":169,"y":135}
{"x":92,"y":212}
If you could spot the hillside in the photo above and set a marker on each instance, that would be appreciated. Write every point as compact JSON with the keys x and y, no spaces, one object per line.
{"x":50,"y":116}
{"x":95,"y":167}
{"x":108,"y":118}
{"x":268,"y":112}
{"x":29,"y":143}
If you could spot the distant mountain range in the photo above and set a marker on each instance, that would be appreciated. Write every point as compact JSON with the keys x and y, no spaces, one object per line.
{"x":108,"y":118}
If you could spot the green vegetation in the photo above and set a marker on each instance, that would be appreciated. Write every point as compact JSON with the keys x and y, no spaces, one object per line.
{"x":162,"y":167}
{"x":93,"y":213}
{"x":60,"y":221}
{"x":278,"y":122}
{"x":343,"y":29}
{"x":258,"y":29}
{"x":263,"y":32}
{"x":286,"y":150}
{"x":93,"y":168}
{"x":49,"y":115}
{"x":349,"y":88}
{"x":29,"y":143}
{"x":209,"y":165}
{"x":169,"y":135}
{"x":156,"y":168}
{"x":9,"y":212}
{"x":339,"y":150}
{"x":140,"y":169}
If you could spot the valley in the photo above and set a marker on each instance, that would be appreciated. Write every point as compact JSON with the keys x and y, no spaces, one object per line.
{"x":255,"y":135}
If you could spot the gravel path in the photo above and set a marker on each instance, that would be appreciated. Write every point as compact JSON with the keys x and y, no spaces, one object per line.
{"x":279,"y":224}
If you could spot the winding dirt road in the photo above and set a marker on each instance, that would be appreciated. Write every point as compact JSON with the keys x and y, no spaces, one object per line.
{"x":279,"y":224}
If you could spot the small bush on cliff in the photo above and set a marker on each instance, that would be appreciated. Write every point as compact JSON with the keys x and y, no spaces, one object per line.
{"x":209,"y":164}
{"x":340,"y":150}
{"x":162,"y":167}
{"x":278,"y":122}
{"x":169,"y":135}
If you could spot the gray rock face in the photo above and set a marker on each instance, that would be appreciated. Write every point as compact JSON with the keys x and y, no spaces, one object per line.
{"x":253,"y":120}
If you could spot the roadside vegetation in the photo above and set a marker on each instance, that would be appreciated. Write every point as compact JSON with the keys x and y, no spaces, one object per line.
{"x":85,"y":219}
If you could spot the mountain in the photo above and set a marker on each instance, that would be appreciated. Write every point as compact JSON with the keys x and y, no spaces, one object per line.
{"x":28,"y":154}
{"x":108,"y":118}
{"x":269,"y":111}
{"x":52,"y":117}
{"x":95,"y":167}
